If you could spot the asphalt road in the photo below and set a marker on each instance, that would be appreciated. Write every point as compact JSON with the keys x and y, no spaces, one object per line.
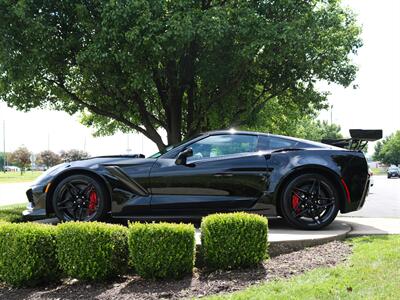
{"x":383,"y":201}
{"x":13,"y":193}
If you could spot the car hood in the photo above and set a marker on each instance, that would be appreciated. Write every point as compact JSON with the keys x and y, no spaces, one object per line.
{"x":107,"y":160}
{"x":92,"y":163}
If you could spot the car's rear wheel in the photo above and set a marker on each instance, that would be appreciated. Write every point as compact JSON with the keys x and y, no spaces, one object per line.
{"x":309,"y":201}
{"x":80,"y":198}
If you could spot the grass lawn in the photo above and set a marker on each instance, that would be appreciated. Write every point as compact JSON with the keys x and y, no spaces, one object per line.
{"x":12,"y":177}
{"x":12,"y":213}
{"x":373,"y":272}
{"x":378,"y":171}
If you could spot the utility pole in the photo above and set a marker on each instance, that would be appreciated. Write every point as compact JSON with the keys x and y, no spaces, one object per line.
{"x":331,"y":113}
{"x":4,"y":146}
{"x":128,"y":149}
{"x":142,"y":142}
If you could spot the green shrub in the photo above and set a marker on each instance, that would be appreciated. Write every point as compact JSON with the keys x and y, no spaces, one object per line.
{"x":234,"y":240}
{"x":27,"y":253}
{"x":161,"y":250}
{"x":92,"y":250}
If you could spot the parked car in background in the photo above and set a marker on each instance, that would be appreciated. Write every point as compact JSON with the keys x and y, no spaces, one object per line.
{"x":393,"y":171}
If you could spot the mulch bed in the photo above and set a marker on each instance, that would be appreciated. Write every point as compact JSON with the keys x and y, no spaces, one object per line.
{"x":202,"y":283}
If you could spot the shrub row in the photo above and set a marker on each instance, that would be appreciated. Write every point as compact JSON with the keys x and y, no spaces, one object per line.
{"x":32,"y":253}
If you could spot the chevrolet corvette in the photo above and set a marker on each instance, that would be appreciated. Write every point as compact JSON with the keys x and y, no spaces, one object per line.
{"x":307,"y":183}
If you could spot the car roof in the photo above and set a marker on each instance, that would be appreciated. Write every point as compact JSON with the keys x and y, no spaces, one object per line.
{"x":234,"y":131}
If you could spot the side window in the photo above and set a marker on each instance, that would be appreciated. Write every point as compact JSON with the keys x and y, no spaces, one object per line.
{"x":272,"y":142}
{"x":221,"y":145}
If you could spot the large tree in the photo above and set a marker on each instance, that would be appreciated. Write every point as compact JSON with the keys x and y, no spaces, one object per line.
{"x":184,"y":65}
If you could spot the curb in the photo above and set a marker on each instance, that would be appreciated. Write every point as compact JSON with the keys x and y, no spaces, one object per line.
{"x":282,"y":247}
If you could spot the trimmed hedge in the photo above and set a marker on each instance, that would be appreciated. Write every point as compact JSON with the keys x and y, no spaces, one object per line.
{"x":92,"y":251}
{"x":162,"y":250}
{"x":234,"y":240}
{"x":27,"y":253}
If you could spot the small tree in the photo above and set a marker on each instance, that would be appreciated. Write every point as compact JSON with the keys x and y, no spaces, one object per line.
{"x":73,"y":155}
{"x":48,"y":158}
{"x":389,"y":151}
{"x":2,"y":162}
{"x":21,"y":158}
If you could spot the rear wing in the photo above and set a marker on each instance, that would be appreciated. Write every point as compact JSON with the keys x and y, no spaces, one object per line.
{"x":359,"y":139}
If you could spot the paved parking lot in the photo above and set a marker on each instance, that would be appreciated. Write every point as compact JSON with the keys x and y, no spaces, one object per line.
{"x":383,"y":200}
{"x":12,"y":193}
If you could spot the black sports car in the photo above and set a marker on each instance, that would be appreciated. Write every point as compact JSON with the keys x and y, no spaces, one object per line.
{"x":305,"y":182}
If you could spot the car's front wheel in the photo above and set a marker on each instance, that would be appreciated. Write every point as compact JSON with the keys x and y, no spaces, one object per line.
{"x":80,"y":198}
{"x":309,"y":201}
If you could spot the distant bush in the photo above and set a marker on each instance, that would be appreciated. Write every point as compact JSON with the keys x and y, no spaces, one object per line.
{"x":92,"y":251}
{"x":234,"y":240}
{"x":162,"y":250}
{"x":27,"y":253}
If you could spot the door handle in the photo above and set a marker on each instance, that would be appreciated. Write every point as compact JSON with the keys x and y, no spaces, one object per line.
{"x":223,"y":175}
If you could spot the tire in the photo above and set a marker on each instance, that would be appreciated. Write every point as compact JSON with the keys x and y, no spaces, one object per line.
{"x":309,"y":201}
{"x":81,"y":198}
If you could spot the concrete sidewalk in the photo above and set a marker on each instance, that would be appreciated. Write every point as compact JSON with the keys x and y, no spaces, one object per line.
{"x":371,"y":226}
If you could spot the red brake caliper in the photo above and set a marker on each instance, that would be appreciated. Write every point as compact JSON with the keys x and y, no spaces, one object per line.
{"x":92,"y":202}
{"x":295,"y":203}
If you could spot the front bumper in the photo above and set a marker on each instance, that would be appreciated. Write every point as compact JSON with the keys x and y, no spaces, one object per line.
{"x":36,"y":207}
{"x":393,"y":174}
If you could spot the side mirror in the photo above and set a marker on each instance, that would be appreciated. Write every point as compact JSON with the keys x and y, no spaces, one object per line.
{"x":182,"y":156}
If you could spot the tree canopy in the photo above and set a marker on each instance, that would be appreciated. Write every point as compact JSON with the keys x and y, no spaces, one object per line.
{"x":183,"y":66}
{"x":287,"y":117}
{"x":21,"y":158}
{"x":388,"y":151}
{"x":48,"y":158}
{"x":73,"y":155}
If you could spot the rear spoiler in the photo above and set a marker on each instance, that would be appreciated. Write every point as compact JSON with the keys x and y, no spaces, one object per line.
{"x":359,"y":139}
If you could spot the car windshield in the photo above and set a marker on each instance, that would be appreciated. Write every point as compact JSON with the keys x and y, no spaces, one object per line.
{"x":170,"y":147}
{"x":165,"y":150}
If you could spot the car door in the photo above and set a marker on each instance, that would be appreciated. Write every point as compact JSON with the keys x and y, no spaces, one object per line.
{"x":225,"y":173}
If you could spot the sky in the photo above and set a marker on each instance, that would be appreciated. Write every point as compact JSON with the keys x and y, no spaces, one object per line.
{"x":375,"y":104}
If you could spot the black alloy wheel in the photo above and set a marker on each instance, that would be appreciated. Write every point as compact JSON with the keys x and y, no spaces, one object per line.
{"x":310,"y":201}
{"x":80,"y":198}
